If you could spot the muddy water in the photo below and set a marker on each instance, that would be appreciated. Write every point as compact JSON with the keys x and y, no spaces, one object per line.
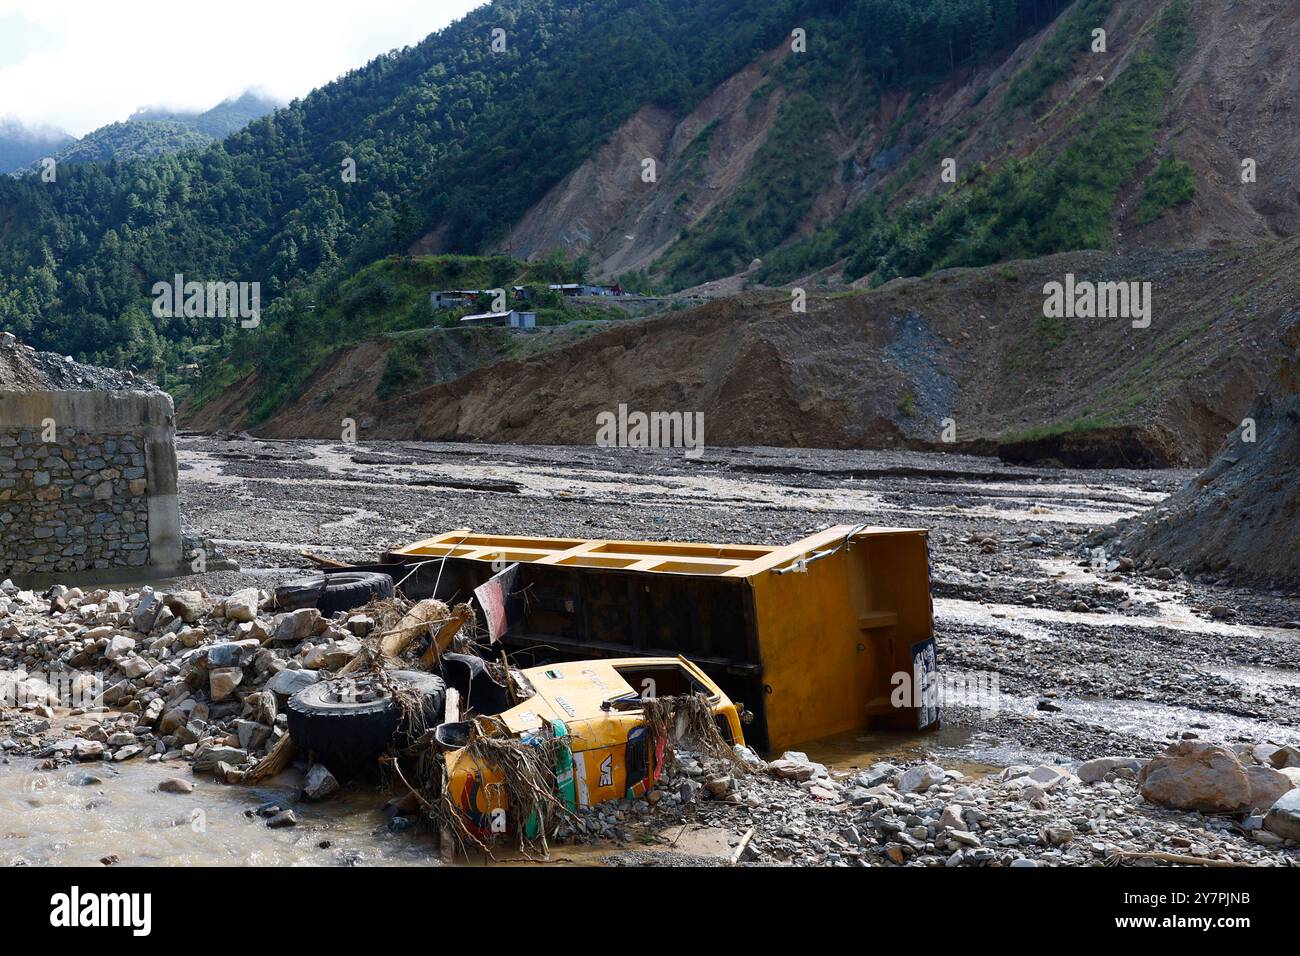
{"x":1032,"y":622}
{"x":66,"y":817}
{"x":63,"y":817}
{"x":57,"y":817}
{"x":956,"y":747}
{"x":1068,"y":503}
{"x":1150,"y":719}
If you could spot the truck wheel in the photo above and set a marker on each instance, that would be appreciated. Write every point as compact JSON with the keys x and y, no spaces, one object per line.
{"x":357,"y":717}
{"x":349,"y":589}
{"x":300,"y":592}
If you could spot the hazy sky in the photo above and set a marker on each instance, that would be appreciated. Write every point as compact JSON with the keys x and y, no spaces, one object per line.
{"x":78,"y":64}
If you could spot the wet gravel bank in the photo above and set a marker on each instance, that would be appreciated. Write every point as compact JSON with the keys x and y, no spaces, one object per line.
{"x":1016,"y":592}
{"x":1087,"y":656}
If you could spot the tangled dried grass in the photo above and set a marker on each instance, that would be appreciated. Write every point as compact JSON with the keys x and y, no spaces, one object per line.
{"x":688,"y":721}
{"x":404,"y":628}
{"x":528,"y":789}
{"x":410,"y":703}
{"x":385,"y":612}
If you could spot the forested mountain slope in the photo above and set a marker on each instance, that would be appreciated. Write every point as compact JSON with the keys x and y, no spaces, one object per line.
{"x":828,"y":169}
{"x":228,"y":116}
{"x":132,"y":140}
{"x":446,"y":135}
{"x":453,"y":142}
{"x":155,"y":132}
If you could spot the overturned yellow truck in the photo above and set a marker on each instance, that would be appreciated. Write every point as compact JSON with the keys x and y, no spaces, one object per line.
{"x":830,"y":634}
{"x":607,"y":751}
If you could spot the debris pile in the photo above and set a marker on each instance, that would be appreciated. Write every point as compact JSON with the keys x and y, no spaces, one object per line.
{"x":24,"y":369}
{"x":1098,"y":813}
{"x":1240,"y":518}
{"x":180,"y":674}
{"x":190,"y":677}
{"x":529,"y":788}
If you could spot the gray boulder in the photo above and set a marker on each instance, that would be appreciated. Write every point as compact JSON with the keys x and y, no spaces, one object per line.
{"x":1283,"y":818}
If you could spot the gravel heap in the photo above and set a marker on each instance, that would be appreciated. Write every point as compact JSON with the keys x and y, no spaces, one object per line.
{"x":920,"y":814}
{"x":185,"y":676}
{"x":24,"y":369}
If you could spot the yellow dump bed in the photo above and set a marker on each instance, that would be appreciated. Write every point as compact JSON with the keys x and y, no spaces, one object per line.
{"x":813,"y":637}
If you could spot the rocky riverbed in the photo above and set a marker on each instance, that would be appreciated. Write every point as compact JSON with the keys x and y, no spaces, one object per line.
{"x":1077,"y":653}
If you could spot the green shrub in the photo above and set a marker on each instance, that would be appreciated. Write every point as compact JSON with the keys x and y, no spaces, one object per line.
{"x":1056,"y":57}
{"x":406,"y":365}
{"x":1173,"y":182}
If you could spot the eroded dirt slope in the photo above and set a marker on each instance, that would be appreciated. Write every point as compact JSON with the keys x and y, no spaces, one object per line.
{"x":347,"y":384}
{"x":1232,"y":99}
{"x":1240,"y":518}
{"x":885,"y":368}
{"x":607,"y":210}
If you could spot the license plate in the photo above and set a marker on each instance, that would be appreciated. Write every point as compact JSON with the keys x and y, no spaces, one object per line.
{"x":925,"y":674}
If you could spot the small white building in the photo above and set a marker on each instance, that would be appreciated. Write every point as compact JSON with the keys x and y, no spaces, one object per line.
{"x":514,"y":319}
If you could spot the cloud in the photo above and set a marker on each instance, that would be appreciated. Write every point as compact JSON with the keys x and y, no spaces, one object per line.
{"x":80,"y":64}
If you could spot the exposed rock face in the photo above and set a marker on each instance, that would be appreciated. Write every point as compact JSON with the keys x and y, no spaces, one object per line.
{"x":1240,"y":518}
{"x":241,"y":606}
{"x":1267,"y":786}
{"x":1091,"y":771}
{"x":320,"y":783}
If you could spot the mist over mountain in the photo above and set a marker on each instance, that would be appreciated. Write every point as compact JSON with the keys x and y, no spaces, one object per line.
{"x":156,"y":132}
{"x":21,"y":144}
{"x":147,"y":132}
{"x":226,"y":117}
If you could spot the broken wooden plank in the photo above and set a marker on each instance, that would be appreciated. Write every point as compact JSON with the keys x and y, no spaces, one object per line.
{"x":740,"y":847}
{"x":461,"y":615}
{"x":322,"y":561}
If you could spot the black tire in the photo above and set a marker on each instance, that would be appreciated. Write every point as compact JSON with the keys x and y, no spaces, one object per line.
{"x":469,"y":675}
{"x":349,"y":589}
{"x":318,"y":723}
{"x":300,"y":592}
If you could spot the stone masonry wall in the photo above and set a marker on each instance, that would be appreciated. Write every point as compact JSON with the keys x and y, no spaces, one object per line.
{"x":97,"y":501}
{"x":73,"y":504}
